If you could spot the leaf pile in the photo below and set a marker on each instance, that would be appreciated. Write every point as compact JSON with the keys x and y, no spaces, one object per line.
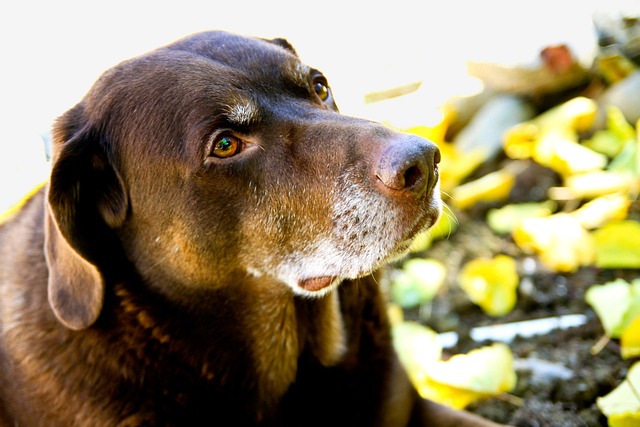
{"x":558,"y":193}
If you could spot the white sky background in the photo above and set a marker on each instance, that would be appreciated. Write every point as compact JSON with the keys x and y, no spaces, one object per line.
{"x":52,"y":51}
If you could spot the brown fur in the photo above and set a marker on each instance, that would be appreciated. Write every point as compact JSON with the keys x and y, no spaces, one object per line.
{"x":151,"y":283}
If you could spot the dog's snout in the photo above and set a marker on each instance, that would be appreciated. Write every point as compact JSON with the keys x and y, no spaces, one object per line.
{"x":409,"y":165}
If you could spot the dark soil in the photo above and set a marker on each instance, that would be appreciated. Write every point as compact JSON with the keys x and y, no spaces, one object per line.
{"x":561,"y":387}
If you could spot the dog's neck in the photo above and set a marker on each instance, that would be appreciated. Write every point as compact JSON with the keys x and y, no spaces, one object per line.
{"x":286,"y":327}
{"x":263,"y":317}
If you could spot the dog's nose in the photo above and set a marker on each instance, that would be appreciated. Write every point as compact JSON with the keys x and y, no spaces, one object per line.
{"x":409,"y":165}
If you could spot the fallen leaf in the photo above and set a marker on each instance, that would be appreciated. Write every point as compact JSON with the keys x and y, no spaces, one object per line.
{"x":618,"y":124}
{"x":519,"y":141}
{"x":466,"y":378}
{"x":614,"y":66}
{"x":435,"y":133}
{"x":606,"y":142}
{"x":456,"y":165}
{"x":594,"y":184}
{"x":617,"y":245}
{"x":13,"y":210}
{"x":417,"y":347}
{"x":561,"y":243}
{"x":576,"y":115}
{"x":559,"y":150}
{"x":622,"y":405}
{"x":630,"y":340}
{"x":395,"y":314}
{"x":503,"y":220}
{"x":491,"y":284}
{"x":418,"y":282}
{"x":616,"y":303}
{"x":628,"y":157}
{"x":491,"y":187}
{"x":601,"y":210}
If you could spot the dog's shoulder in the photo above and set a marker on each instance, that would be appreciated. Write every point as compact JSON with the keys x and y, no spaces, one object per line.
{"x":21,"y":229}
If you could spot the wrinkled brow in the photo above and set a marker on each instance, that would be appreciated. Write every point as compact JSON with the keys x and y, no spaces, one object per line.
{"x":300,"y":74}
{"x":243,"y":112}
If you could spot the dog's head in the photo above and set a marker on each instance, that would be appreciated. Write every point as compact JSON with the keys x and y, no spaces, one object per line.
{"x":221,"y":157}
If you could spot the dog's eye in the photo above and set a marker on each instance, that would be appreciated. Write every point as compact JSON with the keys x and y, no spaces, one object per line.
{"x":321,"y":89}
{"x":226,"y":146}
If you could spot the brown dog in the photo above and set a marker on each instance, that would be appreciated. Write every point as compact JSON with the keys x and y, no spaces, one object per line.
{"x":202,"y":254}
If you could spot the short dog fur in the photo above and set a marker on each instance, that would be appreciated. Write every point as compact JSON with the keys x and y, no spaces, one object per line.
{"x":204,"y":252}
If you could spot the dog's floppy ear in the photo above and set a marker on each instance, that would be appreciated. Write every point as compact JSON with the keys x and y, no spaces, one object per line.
{"x":86,"y":201}
{"x":285,"y":44}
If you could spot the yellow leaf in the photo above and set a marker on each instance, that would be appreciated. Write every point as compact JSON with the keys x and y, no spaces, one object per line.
{"x":618,"y":124}
{"x":594,"y":184}
{"x":616,"y":303}
{"x":417,"y":347}
{"x":491,"y":187}
{"x":504,"y":220}
{"x":627,"y":419}
{"x":630,"y":340}
{"x":395,"y":314}
{"x":622,"y":405}
{"x":466,"y":378}
{"x":560,"y":241}
{"x":13,"y":210}
{"x":617,"y":245}
{"x":603,"y":209}
{"x":456,"y":165}
{"x":576,"y":115}
{"x":491,"y":283}
{"x":559,"y":150}
{"x":519,"y":141}
{"x":614,"y":66}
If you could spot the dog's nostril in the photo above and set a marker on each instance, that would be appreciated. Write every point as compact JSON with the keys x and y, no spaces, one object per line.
{"x":412,"y":176}
{"x":409,"y":165}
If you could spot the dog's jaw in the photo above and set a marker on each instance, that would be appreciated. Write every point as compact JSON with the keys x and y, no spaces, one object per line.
{"x":367,"y":232}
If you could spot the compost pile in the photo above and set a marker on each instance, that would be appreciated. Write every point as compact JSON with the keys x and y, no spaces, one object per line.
{"x":540,"y":174}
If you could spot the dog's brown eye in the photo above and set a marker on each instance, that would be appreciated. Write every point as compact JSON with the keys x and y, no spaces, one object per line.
{"x":321,"y":89}
{"x":226,"y":146}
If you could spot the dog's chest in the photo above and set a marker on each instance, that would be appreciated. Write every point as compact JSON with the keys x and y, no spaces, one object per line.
{"x":246,"y":357}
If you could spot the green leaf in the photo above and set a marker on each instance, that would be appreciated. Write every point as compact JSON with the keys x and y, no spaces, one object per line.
{"x":416,"y":346}
{"x":503,"y":220}
{"x":617,"y":245}
{"x":466,"y":378}
{"x":418,"y":282}
{"x":616,"y":303}
{"x":606,"y":142}
{"x":622,"y":405}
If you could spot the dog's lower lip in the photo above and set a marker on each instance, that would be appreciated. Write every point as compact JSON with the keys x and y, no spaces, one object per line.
{"x":317,"y":283}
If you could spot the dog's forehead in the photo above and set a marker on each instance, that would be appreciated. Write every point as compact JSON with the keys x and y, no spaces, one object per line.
{"x":262,"y":56}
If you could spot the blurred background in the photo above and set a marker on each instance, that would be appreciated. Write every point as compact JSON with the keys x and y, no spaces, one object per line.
{"x":52,"y":51}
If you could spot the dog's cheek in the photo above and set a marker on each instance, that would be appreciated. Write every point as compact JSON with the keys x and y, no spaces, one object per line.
{"x":288,"y":217}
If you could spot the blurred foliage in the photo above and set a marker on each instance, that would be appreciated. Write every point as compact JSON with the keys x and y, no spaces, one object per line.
{"x":584,"y":221}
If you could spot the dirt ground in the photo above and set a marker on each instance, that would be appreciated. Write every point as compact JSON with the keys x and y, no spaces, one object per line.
{"x":559,"y":377}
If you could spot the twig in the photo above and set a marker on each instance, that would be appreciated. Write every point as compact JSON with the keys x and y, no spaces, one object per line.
{"x":597,"y":347}
{"x":512,"y":399}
